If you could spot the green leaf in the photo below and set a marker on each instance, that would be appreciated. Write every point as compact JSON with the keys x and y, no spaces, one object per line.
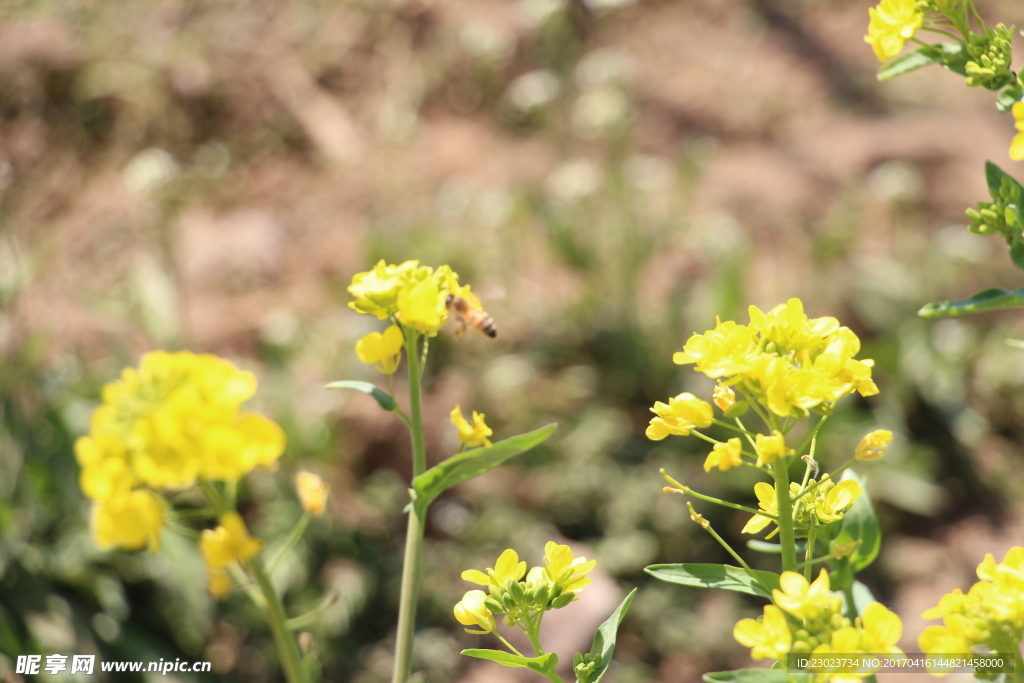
{"x":757,"y":676}
{"x":922,"y":56}
{"x":994,"y":177}
{"x":1008,"y":97}
{"x":726,"y":577}
{"x":862,"y":597}
{"x":604,"y":639}
{"x":992,"y":299}
{"x":760,"y":546}
{"x":543,"y":665}
{"x":859,"y":524}
{"x":472,"y":463}
{"x":382,"y":397}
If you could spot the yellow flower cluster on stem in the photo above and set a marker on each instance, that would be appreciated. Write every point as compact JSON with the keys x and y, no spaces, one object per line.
{"x":893,"y":23}
{"x":175,"y":420}
{"x":522,"y":597}
{"x":806,"y":618}
{"x":990,"y":614}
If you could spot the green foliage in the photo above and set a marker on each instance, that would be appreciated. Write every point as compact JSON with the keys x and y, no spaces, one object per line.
{"x":543,"y":665}
{"x":860,"y":530}
{"x":736,"y":579}
{"x":384,"y":399}
{"x":472,"y":463}
{"x":591,"y":667}
{"x":992,"y":299}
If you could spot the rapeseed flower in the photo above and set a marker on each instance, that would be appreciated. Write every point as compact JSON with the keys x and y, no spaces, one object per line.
{"x":176,"y":418}
{"x":229,"y":542}
{"x":131,"y":522}
{"x":1017,"y":146}
{"x":768,"y":501}
{"x":421,"y":306}
{"x":893,"y":23}
{"x":873,"y":445}
{"x":682,"y":414}
{"x":383,"y":350}
{"x":471,"y":611}
{"x":506,"y":567}
{"x":801,"y":598}
{"x":568,"y":572}
{"x":831,"y":501}
{"x":473,"y":435}
{"x":770,"y":448}
{"x":312,"y":492}
{"x":769,"y":638}
{"x":725,"y":455}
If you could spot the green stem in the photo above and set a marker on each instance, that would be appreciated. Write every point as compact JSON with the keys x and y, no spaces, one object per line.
{"x":810,"y":551}
{"x":412,"y":564}
{"x":686,"y":490}
{"x":507,"y":644}
{"x":303,"y":620}
{"x":787,"y":541}
{"x":293,"y":538}
{"x":533,"y":633}
{"x":212,"y":495}
{"x":851,"y":609}
{"x":735,"y":555}
{"x":286,"y":645}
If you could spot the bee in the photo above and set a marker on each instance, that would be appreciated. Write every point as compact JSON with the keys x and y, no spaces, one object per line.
{"x":468,"y":314}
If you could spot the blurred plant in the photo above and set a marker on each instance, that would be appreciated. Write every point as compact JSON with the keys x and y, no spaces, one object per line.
{"x":418,"y":300}
{"x":785,"y":368}
{"x":983,"y":56}
{"x":523,"y":598}
{"x":174,"y":423}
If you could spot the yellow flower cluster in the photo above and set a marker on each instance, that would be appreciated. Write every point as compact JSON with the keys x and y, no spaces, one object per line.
{"x":991,"y":613}
{"x":409,"y":293}
{"x":230,"y":542}
{"x":784,"y":360}
{"x":312,"y":492}
{"x":806,"y":617}
{"x":473,"y":435}
{"x":826,"y":503}
{"x":517,"y":593}
{"x":893,"y":23}
{"x":175,"y":419}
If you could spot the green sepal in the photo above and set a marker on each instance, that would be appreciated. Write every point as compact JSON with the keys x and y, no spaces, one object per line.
{"x":543,"y":665}
{"x":860,"y":526}
{"x":1008,"y":97}
{"x":472,"y":463}
{"x":992,"y":299}
{"x":758,"y":676}
{"x":383,"y":398}
{"x":726,"y":577}
{"x":911,"y":61}
{"x":738,"y":409}
{"x":604,"y":640}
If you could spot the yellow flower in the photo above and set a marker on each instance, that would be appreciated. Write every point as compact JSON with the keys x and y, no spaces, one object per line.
{"x":421,"y":306}
{"x":893,"y":23}
{"x":725,"y":455}
{"x":832,"y":501}
{"x":768,"y":501}
{"x":473,"y":435}
{"x":769,"y":638}
{"x":376,"y":291}
{"x":312,"y":492}
{"x":506,"y":567}
{"x":724,"y":397}
{"x":382,"y":350}
{"x":1017,"y":146}
{"x":229,"y":542}
{"x":175,"y":418}
{"x":873,"y":445}
{"x":800,"y":598}
{"x":471,"y":611}
{"x":679,"y":416}
{"x":567,"y":571}
{"x":727,"y":350}
{"x":131,"y":522}
{"x":790,"y":329}
{"x":219,"y":583}
{"x":881,"y":628}
{"x":942,"y":640}
{"x":768,"y":448}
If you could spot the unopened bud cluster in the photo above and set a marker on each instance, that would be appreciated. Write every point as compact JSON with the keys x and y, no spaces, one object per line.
{"x":585,"y":666}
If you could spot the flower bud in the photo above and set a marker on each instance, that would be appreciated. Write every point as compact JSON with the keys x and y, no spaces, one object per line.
{"x":562,"y":600}
{"x":873,"y":445}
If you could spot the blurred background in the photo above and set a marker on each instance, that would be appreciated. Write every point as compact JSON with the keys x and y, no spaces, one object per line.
{"x":609,"y":175}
